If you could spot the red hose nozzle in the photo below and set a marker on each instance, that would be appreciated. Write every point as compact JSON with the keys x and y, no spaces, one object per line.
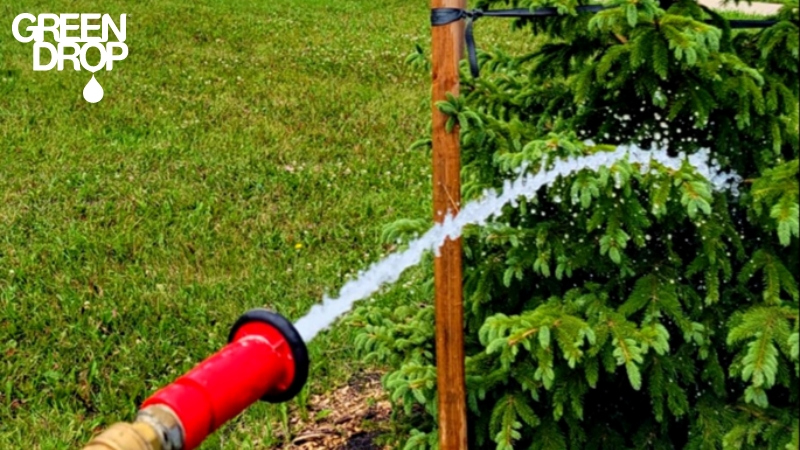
{"x":265,"y":359}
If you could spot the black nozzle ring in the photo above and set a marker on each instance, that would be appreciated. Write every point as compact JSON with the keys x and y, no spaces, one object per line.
{"x":296,"y":344}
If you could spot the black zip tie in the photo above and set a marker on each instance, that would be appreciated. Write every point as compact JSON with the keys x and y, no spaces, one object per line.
{"x":446,"y":16}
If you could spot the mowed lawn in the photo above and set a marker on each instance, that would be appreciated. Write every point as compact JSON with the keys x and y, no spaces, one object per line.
{"x":246,"y":154}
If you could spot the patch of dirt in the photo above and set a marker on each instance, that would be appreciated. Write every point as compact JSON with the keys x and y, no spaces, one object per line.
{"x":348,"y":418}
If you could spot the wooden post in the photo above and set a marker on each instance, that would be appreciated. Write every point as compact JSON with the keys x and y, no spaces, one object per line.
{"x":447,"y":48}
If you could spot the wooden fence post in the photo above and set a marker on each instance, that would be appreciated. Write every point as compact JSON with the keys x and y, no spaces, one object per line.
{"x":447,"y":49}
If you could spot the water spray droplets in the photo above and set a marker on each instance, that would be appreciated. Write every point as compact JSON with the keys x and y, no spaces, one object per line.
{"x":480,"y":211}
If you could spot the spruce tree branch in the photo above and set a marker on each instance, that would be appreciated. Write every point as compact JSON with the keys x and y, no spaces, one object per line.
{"x":761,"y":416}
{"x":524,"y":335}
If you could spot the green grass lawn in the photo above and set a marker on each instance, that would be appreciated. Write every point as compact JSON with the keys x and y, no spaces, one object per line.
{"x":245,"y":154}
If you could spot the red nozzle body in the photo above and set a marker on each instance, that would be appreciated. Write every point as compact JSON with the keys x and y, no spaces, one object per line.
{"x":265,"y":359}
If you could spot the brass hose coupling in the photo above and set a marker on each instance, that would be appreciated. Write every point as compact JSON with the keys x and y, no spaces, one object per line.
{"x":155,"y":428}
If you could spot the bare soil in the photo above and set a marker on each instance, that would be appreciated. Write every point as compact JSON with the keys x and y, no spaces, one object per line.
{"x":351,"y":417}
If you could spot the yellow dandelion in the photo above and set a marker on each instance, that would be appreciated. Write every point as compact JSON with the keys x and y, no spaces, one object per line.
{"x":298,"y":246}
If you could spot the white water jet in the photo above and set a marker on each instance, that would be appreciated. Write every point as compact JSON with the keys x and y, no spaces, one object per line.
{"x":389,"y":269}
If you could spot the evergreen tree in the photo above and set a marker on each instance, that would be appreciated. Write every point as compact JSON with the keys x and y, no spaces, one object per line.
{"x":620,"y":309}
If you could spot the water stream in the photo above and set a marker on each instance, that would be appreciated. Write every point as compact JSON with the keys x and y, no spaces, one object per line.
{"x":389,"y":269}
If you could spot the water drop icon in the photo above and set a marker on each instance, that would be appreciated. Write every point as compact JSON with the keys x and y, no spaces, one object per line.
{"x":93,"y":92}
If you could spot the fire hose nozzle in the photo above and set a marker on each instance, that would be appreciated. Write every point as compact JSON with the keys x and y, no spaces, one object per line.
{"x":265,"y":359}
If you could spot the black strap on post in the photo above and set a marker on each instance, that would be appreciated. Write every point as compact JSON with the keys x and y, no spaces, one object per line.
{"x":446,"y":16}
